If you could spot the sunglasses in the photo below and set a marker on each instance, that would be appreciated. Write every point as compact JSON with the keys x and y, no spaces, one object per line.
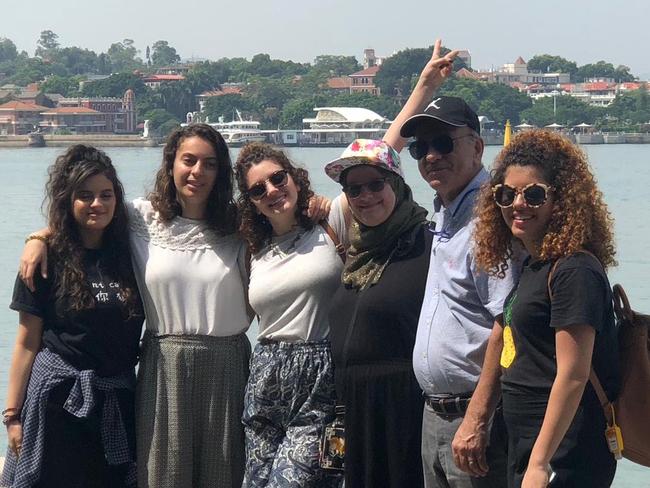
{"x":374,"y":186}
{"x":443,"y":144}
{"x":535,"y":194}
{"x":277,"y":179}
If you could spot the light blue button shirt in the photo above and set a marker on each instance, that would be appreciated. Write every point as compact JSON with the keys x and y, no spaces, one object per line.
{"x":460,"y":303}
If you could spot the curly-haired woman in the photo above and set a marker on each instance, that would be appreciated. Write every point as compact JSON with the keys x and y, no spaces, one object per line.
{"x":190,"y":270}
{"x":558,"y":322}
{"x":295,"y":268}
{"x":72,"y":375}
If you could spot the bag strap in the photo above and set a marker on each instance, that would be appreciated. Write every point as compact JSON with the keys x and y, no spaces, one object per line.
{"x":340,"y":249}
{"x":593,"y":378}
{"x":622,"y":306}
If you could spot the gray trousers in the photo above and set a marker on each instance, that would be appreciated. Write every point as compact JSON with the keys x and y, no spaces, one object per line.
{"x":438,"y":460}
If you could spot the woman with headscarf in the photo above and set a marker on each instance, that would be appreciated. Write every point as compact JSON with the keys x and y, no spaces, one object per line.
{"x":374,"y":316}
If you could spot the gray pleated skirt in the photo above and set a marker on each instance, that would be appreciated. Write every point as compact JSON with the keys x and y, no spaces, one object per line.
{"x":189,"y":404}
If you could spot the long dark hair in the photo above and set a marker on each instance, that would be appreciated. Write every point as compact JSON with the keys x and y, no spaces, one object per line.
{"x":66,"y":249}
{"x":221,"y":210}
{"x":254,"y":227}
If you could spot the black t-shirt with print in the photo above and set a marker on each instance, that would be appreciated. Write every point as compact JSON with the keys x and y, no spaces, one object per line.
{"x":104,"y":338}
{"x":581,"y":295}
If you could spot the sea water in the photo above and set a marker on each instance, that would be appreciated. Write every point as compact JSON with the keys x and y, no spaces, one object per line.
{"x":623,"y":173}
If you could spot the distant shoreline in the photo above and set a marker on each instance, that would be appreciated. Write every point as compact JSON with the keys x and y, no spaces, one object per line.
{"x":117,"y":140}
{"x":105,"y":140}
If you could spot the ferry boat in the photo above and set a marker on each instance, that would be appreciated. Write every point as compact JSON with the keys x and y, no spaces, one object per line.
{"x":239,"y":132}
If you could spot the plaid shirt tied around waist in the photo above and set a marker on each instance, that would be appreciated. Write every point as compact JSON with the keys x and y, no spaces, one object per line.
{"x":48,"y":371}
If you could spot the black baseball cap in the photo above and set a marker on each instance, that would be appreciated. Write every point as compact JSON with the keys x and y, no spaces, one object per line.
{"x":448,"y":110}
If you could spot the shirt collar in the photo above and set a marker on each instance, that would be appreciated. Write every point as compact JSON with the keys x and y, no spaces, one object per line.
{"x":475,"y":183}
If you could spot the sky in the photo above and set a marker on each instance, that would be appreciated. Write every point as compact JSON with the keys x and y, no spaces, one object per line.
{"x":495,"y":32}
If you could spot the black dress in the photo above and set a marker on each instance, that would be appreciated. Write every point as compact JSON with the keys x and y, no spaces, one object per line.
{"x":374,"y":373}
{"x":581,"y":295}
{"x":104,"y":339}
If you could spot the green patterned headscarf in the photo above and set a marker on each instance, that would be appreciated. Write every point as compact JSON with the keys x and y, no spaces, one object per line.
{"x":370,"y":247}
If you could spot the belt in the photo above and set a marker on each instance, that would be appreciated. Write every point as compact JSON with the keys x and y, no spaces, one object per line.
{"x":454,"y":406}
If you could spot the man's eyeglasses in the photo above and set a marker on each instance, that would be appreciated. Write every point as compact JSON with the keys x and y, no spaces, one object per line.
{"x":535,"y":194}
{"x":442,"y":144}
{"x":277,"y":179}
{"x":374,"y":186}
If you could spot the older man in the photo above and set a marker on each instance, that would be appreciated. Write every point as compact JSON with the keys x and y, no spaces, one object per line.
{"x":460,"y":307}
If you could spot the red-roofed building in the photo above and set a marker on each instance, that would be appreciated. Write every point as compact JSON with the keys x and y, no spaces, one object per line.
{"x":226,"y":89}
{"x":154,"y":81}
{"x":364,"y":81}
{"x":630,"y":86}
{"x":120,"y":112}
{"x":339,"y":84}
{"x":78,"y":120}
{"x":465,"y":73}
{"x":19,"y":118}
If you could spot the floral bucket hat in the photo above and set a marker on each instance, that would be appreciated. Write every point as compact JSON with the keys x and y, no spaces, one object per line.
{"x":365,"y":151}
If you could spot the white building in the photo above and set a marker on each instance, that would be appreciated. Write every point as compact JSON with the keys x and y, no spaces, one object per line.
{"x":341,"y":125}
{"x":517,"y":72}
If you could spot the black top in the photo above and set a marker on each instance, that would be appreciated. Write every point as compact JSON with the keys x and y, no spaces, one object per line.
{"x":581,"y":296}
{"x":388,"y":312}
{"x":104,"y":338}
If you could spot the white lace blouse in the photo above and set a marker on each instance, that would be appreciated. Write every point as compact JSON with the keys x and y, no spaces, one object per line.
{"x":191,"y":278}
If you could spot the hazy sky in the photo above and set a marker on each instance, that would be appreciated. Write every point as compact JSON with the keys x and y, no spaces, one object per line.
{"x":494,"y":31}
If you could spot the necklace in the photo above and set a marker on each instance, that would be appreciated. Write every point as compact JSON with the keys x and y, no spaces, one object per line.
{"x":283,"y":247}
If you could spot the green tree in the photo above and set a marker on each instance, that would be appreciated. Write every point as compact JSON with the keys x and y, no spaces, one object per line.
{"x":177,"y":98}
{"x":29,"y":70}
{"x":602,"y":69}
{"x":399,"y":72}
{"x":570,"y":111}
{"x":207,"y":75}
{"x":547,"y":63}
{"x":300,"y":108}
{"x":224,"y":106}
{"x":262,"y":65}
{"x":631,"y":108}
{"x":68,"y":86}
{"x":160,"y":120}
{"x":332,"y":65}
{"x":76,"y":60}
{"x":8,"y":51}
{"x":46,"y":44}
{"x":123,"y":56}
{"x":496,"y":101}
{"x":115,"y":86}
{"x":162,"y":54}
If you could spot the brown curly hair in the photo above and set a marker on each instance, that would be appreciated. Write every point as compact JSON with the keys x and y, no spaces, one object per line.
{"x":580,"y":217}
{"x":65,"y":248}
{"x":221,"y":209}
{"x":253,"y":226}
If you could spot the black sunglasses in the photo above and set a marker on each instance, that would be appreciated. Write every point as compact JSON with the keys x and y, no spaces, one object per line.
{"x":443,"y":144}
{"x":374,"y":186}
{"x":535,"y":194}
{"x":277,"y":179}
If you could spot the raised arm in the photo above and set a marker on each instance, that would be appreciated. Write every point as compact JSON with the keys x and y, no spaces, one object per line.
{"x":435,"y":72}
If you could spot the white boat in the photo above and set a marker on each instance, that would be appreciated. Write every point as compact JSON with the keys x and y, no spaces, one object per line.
{"x":238,"y":132}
